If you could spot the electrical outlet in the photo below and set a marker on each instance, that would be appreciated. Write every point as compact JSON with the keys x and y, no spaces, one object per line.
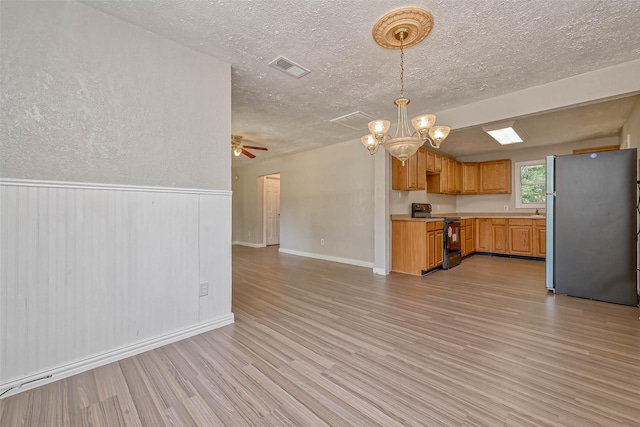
{"x":321,"y":242}
{"x":438,"y":208}
{"x":204,"y":289}
{"x":506,"y":207}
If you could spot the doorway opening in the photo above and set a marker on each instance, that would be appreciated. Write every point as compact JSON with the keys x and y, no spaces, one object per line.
{"x":271,"y":209}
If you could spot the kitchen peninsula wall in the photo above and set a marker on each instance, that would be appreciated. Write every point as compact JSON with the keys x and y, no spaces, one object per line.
{"x":400,"y":201}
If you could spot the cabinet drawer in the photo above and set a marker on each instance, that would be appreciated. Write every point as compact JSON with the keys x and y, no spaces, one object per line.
{"x":433,"y":225}
{"x":498,"y":221}
{"x":525,"y":222}
{"x":540,"y":223}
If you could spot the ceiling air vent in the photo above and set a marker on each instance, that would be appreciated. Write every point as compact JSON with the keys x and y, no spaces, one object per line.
{"x":289,"y":67}
{"x":355,"y":121}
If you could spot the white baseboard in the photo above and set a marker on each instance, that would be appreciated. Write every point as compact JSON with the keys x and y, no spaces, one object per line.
{"x":55,"y":374}
{"x":251,"y":245}
{"x":328,"y":258}
{"x":380,"y":271}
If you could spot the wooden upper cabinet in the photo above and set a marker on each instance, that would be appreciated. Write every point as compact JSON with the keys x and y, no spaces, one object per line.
{"x":433,"y":162}
{"x":438,"y":162}
{"x":458,"y":178}
{"x":470,"y":178}
{"x":411,"y":176}
{"x":421,"y":172}
{"x":495,"y":176}
{"x":451,"y":176}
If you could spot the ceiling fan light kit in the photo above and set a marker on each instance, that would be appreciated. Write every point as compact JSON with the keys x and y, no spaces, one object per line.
{"x":397,"y":29}
{"x":237,"y":147}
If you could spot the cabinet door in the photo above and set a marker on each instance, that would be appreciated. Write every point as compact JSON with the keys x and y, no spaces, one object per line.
{"x":430,"y":160}
{"x":439,"y":247}
{"x":469,"y":242}
{"x":451,"y":176}
{"x":458,"y":177}
{"x":412,"y":171}
{"x":520,"y":240}
{"x":495,"y":176}
{"x":421,"y":170}
{"x":438,"y":162}
{"x":444,"y":176}
{"x":499,"y":239}
{"x":463,"y":240}
{"x":470,"y":184}
{"x":431,"y":249}
{"x":399,"y":174}
{"x":483,"y":235}
{"x":411,"y":176}
{"x":539,"y":241}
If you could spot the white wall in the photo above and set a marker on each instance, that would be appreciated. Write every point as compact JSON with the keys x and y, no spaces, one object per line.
{"x":496,"y":202}
{"x":93,"y":273}
{"x":90,"y":98}
{"x":326,"y":193}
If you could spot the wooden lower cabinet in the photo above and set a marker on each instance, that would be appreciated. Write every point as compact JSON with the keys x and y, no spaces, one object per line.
{"x":408,"y":250}
{"x":435,"y":245}
{"x":416,"y":246}
{"x":499,"y":236}
{"x":520,"y":233}
{"x":540,"y":238}
{"x":439,"y":245}
{"x":466,"y":237}
{"x":469,"y":246}
{"x":483,"y":234}
{"x":431,"y":249}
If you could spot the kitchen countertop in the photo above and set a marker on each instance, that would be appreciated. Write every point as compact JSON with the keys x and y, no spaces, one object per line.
{"x":467,"y":215}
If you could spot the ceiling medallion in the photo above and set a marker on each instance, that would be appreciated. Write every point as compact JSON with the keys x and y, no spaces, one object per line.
{"x":417,"y":21}
{"x":400,"y":28}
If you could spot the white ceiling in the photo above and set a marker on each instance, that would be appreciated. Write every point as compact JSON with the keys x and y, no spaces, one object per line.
{"x":478,"y":49}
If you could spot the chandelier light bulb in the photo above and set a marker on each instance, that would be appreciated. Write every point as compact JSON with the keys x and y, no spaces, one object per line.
{"x":370,"y":143}
{"x":379,"y":127}
{"x":425,"y":121}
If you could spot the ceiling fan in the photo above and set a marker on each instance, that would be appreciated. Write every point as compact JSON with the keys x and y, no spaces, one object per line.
{"x":239,"y":148}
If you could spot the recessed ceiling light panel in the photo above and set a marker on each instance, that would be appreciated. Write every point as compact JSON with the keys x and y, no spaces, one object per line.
{"x":287,"y":66}
{"x":505,"y":132}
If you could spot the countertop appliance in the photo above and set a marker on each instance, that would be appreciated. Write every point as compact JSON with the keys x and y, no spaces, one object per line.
{"x":420,"y":210}
{"x":591,"y":226}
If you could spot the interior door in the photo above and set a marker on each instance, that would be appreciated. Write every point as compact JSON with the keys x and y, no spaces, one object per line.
{"x":272,"y":201}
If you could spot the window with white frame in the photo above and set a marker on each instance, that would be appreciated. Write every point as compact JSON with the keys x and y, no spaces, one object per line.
{"x":530,"y":180}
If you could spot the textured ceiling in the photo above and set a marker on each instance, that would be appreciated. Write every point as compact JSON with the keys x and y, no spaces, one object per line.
{"x":477,"y":50}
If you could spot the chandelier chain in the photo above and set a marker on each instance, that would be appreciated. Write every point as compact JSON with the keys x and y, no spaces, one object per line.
{"x":401,"y":65}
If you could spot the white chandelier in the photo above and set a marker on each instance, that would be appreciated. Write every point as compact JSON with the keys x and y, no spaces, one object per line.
{"x":402,"y":28}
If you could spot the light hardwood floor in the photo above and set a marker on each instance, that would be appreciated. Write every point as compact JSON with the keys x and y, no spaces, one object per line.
{"x":321,"y":343}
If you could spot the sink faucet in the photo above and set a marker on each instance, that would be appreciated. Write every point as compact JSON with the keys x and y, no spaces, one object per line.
{"x":537,"y":213}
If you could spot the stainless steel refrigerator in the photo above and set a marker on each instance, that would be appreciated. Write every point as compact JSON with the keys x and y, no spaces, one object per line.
{"x":591,"y":226}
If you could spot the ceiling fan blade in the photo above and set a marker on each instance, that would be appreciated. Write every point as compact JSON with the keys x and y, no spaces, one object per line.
{"x":248,"y":154}
{"x":256,"y":148}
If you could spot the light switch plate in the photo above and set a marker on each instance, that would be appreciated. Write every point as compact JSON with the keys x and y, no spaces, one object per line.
{"x":204,"y":289}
